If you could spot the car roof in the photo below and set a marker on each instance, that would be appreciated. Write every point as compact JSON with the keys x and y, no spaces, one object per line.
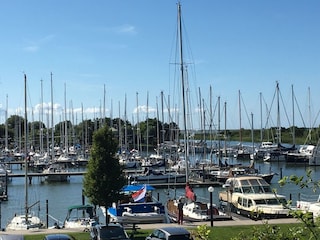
{"x":109,"y":225}
{"x":11,"y":237}
{"x":175,"y":230}
{"x":57,"y":237}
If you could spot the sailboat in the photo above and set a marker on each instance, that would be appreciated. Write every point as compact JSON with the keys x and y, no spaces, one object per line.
{"x":27,"y":220}
{"x":193,"y":210}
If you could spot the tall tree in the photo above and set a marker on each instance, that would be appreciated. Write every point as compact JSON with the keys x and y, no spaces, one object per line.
{"x":104,"y":178}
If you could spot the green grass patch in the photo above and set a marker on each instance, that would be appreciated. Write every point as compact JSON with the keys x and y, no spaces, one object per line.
{"x":226,"y":232}
{"x":74,"y":235}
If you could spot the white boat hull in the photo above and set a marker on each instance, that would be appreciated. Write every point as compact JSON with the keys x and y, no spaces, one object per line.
{"x":19,"y":223}
{"x":139,"y":218}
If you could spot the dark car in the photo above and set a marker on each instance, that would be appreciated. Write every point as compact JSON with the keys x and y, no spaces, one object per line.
{"x":11,"y":237}
{"x":110,"y":231}
{"x":57,"y":237}
{"x":170,"y":233}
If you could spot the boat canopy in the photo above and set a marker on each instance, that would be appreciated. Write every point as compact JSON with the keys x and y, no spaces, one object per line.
{"x":133,"y":188}
{"x":80,"y":207}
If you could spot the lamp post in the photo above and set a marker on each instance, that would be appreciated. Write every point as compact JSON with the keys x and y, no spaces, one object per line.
{"x":210,"y":190}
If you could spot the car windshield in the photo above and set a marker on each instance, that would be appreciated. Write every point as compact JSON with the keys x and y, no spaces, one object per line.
{"x":179,"y":237}
{"x":112,"y":233}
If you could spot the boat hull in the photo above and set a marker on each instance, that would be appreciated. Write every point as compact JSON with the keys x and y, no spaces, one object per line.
{"x":80,"y":217}
{"x":129,"y":213}
{"x":19,"y":223}
{"x":158,"y":179}
{"x":192,"y":215}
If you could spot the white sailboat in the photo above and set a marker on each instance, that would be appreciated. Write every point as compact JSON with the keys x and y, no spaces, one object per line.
{"x":27,"y":220}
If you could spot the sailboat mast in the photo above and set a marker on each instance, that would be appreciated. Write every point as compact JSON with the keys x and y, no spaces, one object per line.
{"x":65,"y":121}
{"x":219,"y":135}
{"x":293,"y":122}
{"x":278,"y":113}
{"x":52,"y":124}
{"x":25,"y":147}
{"x":261,"y":135}
{"x":148,"y":124}
{"x":252,"y":137}
{"x":162,"y":126}
{"x":41,"y":119}
{"x":240,"y":120}
{"x":186,"y":148}
{"x":6,"y":125}
{"x":125,"y":124}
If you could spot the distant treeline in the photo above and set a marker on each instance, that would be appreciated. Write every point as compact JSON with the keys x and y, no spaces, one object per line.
{"x":287,"y":135}
{"x":150,"y":132}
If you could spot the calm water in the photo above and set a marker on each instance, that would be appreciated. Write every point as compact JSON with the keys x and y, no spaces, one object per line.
{"x":62,"y":195}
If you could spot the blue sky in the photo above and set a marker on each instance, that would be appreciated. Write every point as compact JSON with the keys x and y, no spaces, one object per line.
{"x":128,"y":48}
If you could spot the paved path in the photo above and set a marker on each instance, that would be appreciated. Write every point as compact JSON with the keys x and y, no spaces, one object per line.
{"x":234,"y":222}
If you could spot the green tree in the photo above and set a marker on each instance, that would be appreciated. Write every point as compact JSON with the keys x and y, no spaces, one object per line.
{"x":104,"y":178}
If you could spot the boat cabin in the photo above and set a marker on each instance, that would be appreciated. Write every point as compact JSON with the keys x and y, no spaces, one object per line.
{"x":252,"y":196}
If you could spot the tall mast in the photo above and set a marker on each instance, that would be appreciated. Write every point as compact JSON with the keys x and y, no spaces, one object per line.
{"x":225,"y":129}
{"x":125,"y":124}
{"x":52,"y":124}
{"x":278,"y":113}
{"x":26,"y":148}
{"x":6,"y":126}
{"x":104,"y":106}
{"x":261,"y":135}
{"x":41,"y":119}
{"x":219,"y":135}
{"x":252,"y":137}
{"x":138,"y":125}
{"x":162,"y":125}
{"x":240,"y":123}
{"x":293,"y":120}
{"x":65,"y":121}
{"x":186,"y":148}
{"x":119,"y":128}
{"x":147,"y":124}
{"x":210,"y":126}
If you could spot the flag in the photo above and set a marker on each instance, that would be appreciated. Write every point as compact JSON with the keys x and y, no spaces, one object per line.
{"x":139,"y":195}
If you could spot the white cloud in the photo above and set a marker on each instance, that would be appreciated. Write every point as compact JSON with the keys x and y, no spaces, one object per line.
{"x":126,"y":28}
{"x":144,"y":109}
{"x":31,"y":48}
{"x":34,"y":45}
{"x":121,"y":29}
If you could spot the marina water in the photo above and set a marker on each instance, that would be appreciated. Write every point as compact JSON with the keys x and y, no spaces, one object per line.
{"x":61,"y":195}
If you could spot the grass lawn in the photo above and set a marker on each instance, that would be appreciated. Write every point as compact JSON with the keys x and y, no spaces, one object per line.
{"x":216,"y":233}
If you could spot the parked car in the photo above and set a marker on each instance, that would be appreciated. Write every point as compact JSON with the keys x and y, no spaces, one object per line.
{"x":57,"y":237}
{"x":110,"y":231}
{"x":11,"y":237}
{"x":170,"y":233}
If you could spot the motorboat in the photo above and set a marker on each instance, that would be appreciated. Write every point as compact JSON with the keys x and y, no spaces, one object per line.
{"x":136,"y":206}
{"x":308,"y":204}
{"x":56,"y":173}
{"x":253,"y":197}
{"x":152,"y":177}
{"x":303,"y":155}
{"x":193,"y":210}
{"x":80,"y":217}
{"x":222,"y":174}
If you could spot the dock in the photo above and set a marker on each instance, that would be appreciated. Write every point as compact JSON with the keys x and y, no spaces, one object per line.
{"x":32,"y":174}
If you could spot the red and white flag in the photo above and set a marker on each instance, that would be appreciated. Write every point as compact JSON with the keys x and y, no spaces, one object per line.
{"x":138,"y":196}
